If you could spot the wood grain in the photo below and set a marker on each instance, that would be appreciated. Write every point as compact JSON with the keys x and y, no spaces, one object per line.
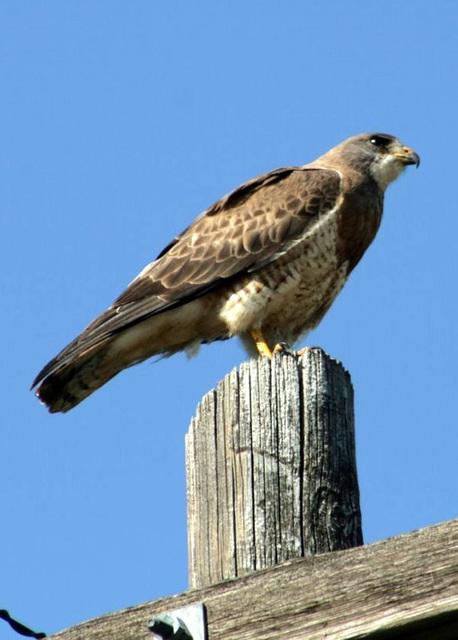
{"x":406,"y":587}
{"x":271,"y":467}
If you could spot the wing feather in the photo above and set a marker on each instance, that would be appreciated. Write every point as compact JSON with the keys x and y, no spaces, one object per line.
{"x":239,"y":231}
{"x":250,"y":227}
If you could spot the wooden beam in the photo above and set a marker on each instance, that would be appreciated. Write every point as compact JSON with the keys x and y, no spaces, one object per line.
{"x":271,"y":467}
{"x":405,"y":587}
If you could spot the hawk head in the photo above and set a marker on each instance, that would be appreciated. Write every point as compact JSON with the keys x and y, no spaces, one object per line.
{"x":383,"y":156}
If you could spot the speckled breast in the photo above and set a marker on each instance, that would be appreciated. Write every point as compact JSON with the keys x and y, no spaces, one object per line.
{"x":290,"y":296}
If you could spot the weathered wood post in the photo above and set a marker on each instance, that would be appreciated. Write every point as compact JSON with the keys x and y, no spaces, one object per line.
{"x":271,"y":467}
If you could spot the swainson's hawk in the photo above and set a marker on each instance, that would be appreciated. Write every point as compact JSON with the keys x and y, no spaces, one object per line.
{"x":264,"y":263}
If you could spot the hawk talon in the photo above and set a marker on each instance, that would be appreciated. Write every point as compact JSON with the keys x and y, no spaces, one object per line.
{"x":280,"y":347}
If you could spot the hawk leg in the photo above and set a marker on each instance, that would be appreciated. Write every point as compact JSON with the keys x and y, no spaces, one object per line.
{"x":261,"y":345}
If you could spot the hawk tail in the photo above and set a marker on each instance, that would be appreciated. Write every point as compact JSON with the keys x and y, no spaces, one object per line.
{"x":64,"y":383}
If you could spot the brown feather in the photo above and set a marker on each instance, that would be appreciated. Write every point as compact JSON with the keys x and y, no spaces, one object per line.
{"x":272,"y":255}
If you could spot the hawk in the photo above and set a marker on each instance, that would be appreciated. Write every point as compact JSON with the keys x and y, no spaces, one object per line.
{"x":264,"y":263}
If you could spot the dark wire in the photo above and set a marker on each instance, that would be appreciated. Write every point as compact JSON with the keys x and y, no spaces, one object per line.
{"x":20,"y":628}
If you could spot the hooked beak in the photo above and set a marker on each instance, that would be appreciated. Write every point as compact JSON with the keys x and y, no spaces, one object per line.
{"x":407,"y":156}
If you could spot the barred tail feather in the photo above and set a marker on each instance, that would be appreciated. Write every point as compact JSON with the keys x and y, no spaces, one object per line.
{"x":63,"y":385}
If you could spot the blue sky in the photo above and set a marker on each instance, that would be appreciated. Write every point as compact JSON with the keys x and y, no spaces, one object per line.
{"x":120,"y":122}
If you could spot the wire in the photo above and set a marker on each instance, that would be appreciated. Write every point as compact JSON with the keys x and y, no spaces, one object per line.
{"x":20,"y":628}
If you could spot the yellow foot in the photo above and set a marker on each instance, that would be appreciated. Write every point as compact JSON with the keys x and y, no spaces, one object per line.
{"x":301,"y":351}
{"x":261,"y":344}
{"x":279,"y":348}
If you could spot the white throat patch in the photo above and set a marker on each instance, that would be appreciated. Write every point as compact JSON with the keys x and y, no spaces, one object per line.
{"x":386,"y":170}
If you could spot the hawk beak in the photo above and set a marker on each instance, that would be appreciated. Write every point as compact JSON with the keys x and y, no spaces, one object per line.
{"x":407,"y":156}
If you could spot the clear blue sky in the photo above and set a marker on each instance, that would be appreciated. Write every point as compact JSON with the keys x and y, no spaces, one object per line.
{"x":120,"y":122}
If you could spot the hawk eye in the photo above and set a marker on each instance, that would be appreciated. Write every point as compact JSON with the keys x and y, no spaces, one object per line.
{"x":379,"y":141}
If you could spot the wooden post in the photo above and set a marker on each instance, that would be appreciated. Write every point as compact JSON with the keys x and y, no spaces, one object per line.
{"x":271,"y":467}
